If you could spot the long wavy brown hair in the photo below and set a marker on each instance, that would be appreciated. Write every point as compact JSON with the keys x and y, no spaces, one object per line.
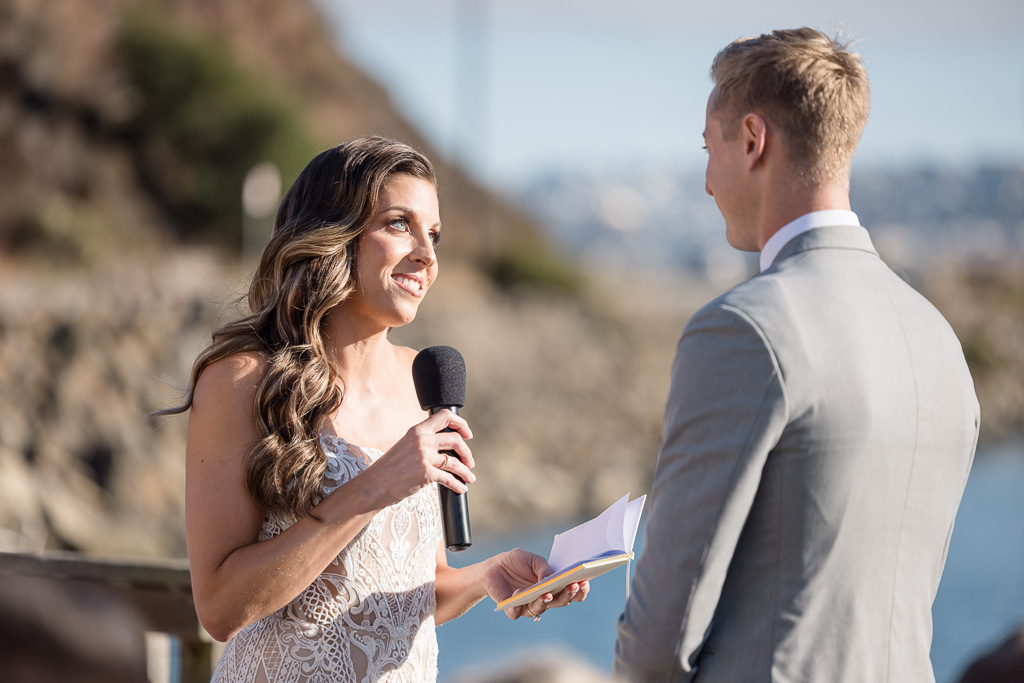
{"x":305,"y":270}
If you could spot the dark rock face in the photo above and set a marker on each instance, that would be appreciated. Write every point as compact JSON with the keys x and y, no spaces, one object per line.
{"x":103,"y":308}
{"x":86,"y":356}
{"x":81,"y":360}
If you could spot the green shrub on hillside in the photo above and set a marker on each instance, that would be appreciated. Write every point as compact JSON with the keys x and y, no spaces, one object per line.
{"x":202,"y":123}
{"x":536,"y":269}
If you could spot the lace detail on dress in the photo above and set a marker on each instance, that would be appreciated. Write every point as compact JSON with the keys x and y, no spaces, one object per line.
{"x":370,"y":615}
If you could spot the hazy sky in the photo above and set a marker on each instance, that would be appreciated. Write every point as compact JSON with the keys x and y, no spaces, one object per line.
{"x":516,"y":87}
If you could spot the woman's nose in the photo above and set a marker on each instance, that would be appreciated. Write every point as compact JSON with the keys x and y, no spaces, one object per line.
{"x":424,"y":252}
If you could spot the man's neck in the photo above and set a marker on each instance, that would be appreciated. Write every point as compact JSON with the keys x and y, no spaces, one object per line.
{"x":790,"y":203}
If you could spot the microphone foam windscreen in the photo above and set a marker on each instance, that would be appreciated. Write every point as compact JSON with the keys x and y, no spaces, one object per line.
{"x":439,"y":373}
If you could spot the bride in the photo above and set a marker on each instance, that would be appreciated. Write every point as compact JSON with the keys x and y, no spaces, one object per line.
{"x":312,"y":521}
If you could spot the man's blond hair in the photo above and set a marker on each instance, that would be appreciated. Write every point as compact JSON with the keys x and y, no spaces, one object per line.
{"x":809,"y":86}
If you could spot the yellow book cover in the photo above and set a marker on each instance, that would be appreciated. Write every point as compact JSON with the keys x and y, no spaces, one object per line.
{"x":587,"y":550}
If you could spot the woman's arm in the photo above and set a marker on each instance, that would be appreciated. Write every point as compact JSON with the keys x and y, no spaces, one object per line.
{"x":237,"y":580}
{"x":498,"y":577}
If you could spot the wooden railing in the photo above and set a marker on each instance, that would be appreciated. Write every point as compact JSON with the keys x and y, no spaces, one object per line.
{"x":160,"y":591}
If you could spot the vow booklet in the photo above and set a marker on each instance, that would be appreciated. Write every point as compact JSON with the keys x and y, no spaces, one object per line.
{"x":587,"y":550}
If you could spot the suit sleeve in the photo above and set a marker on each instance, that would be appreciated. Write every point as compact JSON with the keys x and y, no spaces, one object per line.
{"x":726,"y":410}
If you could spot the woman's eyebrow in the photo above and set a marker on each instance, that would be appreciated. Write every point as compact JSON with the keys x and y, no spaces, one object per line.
{"x":398,"y":207}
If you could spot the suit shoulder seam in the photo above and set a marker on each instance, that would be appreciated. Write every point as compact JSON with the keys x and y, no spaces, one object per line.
{"x":760,"y":332}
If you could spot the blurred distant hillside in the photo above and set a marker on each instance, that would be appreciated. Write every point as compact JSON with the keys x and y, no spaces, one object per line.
{"x":957,"y":235}
{"x":126,"y":130}
{"x":142,"y":118}
{"x":920,"y":218}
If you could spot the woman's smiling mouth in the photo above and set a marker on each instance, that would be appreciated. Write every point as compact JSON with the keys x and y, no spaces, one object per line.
{"x":409,"y":282}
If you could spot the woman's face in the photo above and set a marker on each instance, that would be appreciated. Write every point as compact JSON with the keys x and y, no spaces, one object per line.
{"x":395,"y":259}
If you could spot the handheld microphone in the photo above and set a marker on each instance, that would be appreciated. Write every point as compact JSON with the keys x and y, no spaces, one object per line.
{"x":439,"y":373}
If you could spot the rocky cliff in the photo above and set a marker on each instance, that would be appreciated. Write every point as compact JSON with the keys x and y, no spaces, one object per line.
{"x":116,"y":119}
{"x":117,"y":263}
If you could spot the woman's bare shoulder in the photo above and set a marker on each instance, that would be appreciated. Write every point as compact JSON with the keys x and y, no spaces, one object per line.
{"x":222,"y":424}
{"x":237,"y":375}
{"x":405,"y":355}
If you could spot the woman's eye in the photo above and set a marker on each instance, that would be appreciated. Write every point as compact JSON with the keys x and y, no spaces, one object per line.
{"x":399,"y":224}
{"x":435,"y":237}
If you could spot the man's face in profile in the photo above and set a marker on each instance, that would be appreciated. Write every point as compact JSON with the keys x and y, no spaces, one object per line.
{"x":724,"y":179}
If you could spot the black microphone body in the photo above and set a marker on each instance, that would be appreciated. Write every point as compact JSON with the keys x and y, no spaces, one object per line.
{"x":454,"y":506}
{"x":439,"y":373}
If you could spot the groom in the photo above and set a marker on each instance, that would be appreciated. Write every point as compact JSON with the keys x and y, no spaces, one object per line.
{"x":821,"y":421}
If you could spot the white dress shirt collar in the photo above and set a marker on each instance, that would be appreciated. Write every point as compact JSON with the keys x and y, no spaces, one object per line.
{"x":809,"y":221}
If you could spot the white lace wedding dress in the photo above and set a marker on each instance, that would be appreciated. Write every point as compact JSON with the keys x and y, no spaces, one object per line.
{"x":369,"y":616}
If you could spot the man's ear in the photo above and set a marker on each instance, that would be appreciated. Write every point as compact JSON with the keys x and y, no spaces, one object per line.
{"x":754,"y":130}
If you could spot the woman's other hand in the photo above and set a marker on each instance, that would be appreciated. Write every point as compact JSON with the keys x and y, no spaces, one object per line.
{"x":515,"y":570}
{"x":418,"y":459}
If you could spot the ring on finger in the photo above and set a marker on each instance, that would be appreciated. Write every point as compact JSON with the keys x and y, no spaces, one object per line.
{"x":445,"y":463}
{"x":536,"y":617}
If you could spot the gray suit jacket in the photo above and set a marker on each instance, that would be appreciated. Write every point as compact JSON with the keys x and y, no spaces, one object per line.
{"x":818,"y":435}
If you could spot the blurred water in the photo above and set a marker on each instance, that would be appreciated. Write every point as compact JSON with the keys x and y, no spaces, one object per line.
{"x":980,"y":599}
